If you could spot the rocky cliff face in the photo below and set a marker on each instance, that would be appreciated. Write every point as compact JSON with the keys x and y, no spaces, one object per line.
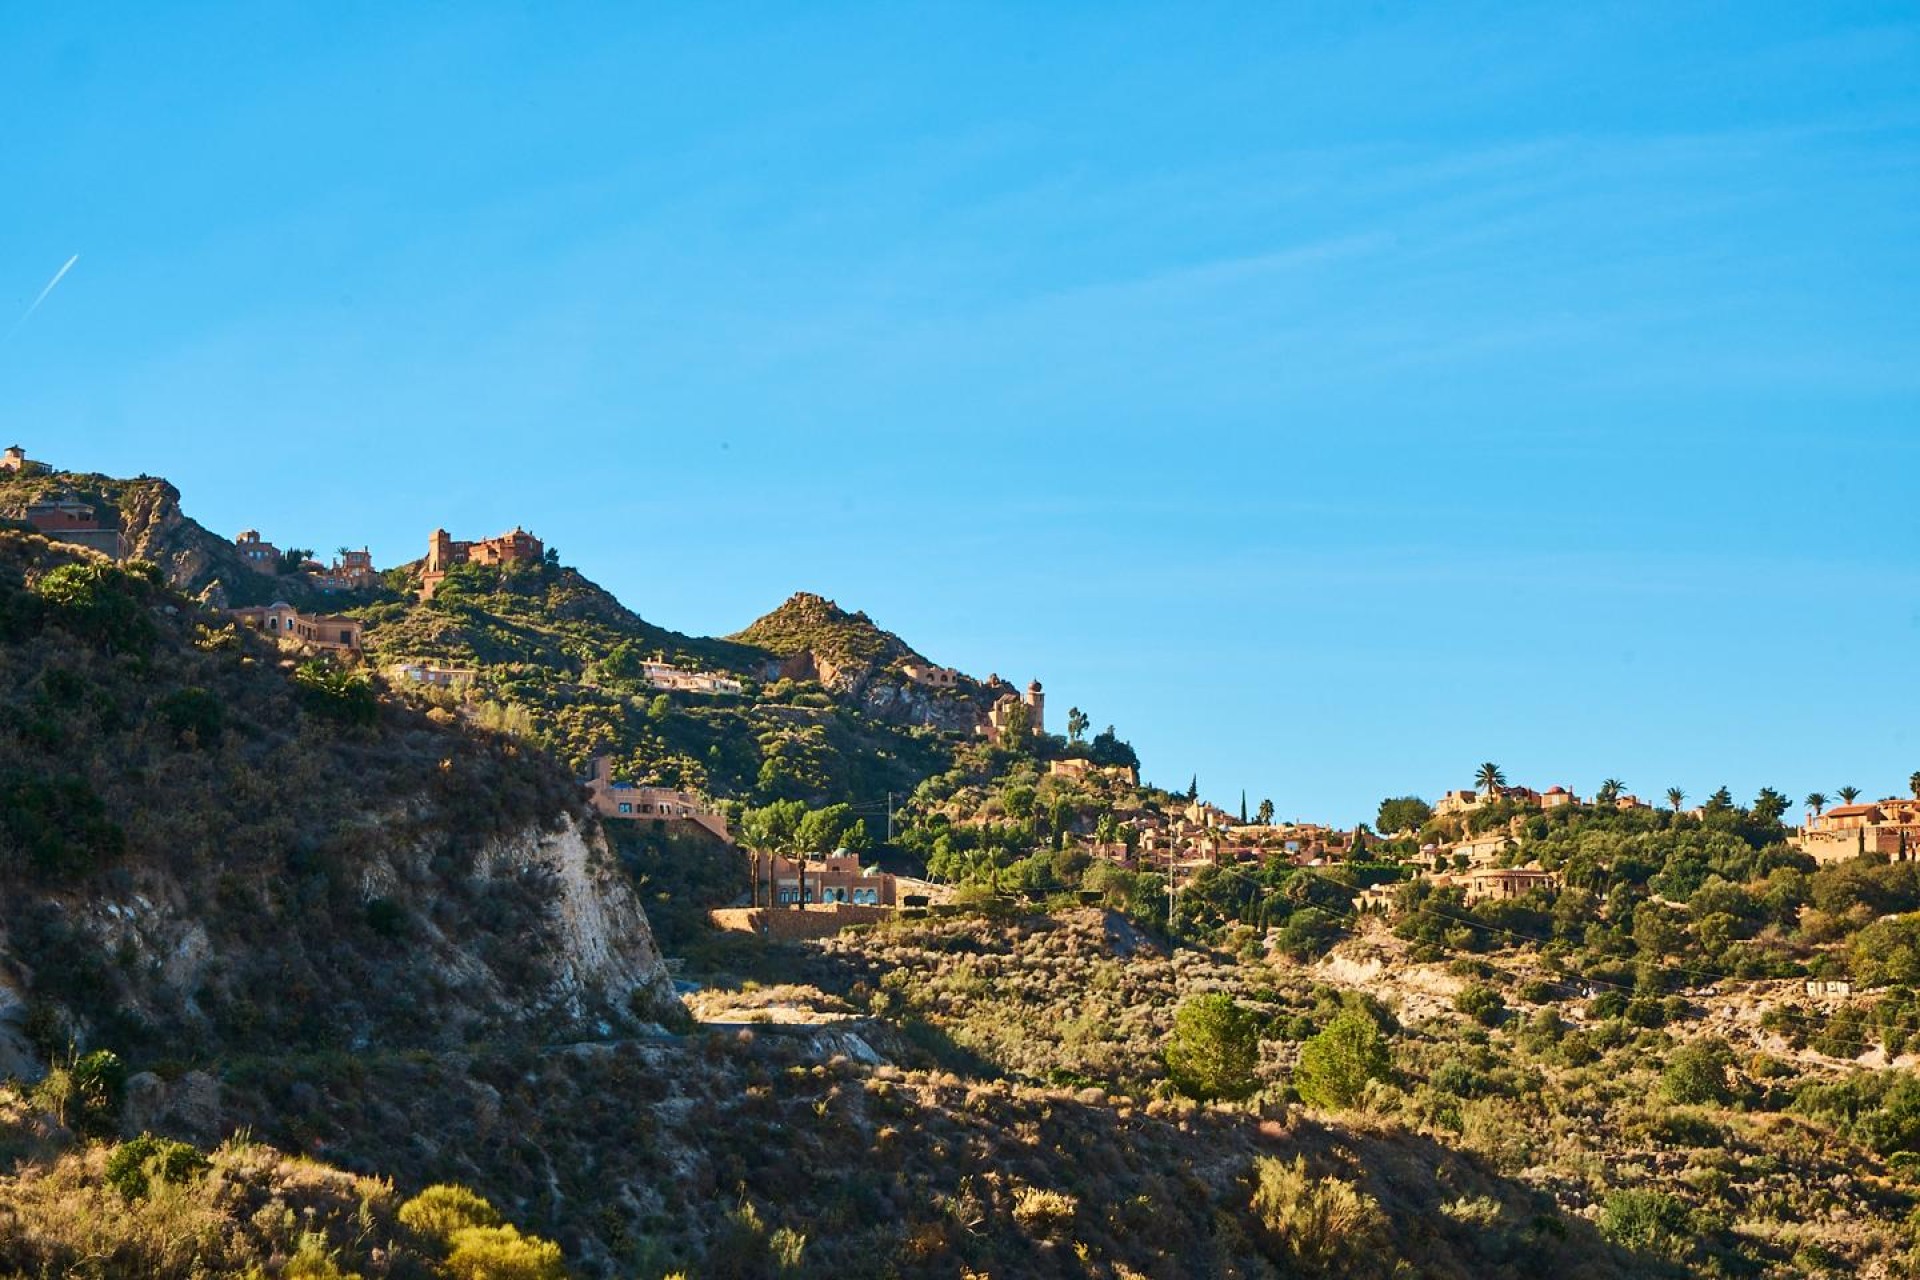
{"x":558,"y":947}
{"x":201,"y":855}
{"x":893,"y":697}
{"x":194,"y":559}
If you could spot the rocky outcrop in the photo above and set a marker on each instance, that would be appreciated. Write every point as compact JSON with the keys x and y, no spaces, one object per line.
{"x":603,"y":954}
{"x":551,"y":941}
{"x":896,"y":699}
{"x":194,"y":559}
{"x":813,"y":638}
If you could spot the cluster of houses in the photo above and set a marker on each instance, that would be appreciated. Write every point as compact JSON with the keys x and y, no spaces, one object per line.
{"x":1183,"y":842}
{"x":828,"y":883}
{"x":1887,"y":827}
{"x":668,"y":678}
{"x":1461,"y":803}
{"x":428,"y":675}
{"x":350,"y":571}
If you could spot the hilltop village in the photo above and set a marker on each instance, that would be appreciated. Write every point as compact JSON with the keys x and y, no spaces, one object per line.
{"x":1084,"y":800}
{"x":1139,"y":828}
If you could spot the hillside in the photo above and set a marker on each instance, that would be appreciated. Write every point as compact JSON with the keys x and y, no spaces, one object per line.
{"x":840,"y":648}
{"x":205,"y":847}
{"x":558,"y":658}
{"x":147,"y":510}
{"x":374,"y":930}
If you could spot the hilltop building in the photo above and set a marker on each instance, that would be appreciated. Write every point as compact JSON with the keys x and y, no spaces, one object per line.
{"x":428,"y":674}
{"x":1002,"y":713}
{"x":68,"y":519}
{"x":350,"y":571}
{"x":925,"y":673}
{"x":838,"y":877}
{"x":259,"y":555}
{"x":1502,"y":884}
{"x":315,"y":630}
{"x":626,"y":802}
{"x":443,"y":553}
{"x":1889,"y":827}
{"x":14,"y":459}
{"x":1464,"y":801}
{"x":1496,"y":884}
{"x":1080,"y":768}
{"x":666,"y":676}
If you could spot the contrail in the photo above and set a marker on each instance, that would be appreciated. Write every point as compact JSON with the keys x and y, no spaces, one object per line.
{"x":58,"y":276}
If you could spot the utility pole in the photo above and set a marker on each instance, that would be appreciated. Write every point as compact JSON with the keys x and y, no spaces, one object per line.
{"x":889,"y":817}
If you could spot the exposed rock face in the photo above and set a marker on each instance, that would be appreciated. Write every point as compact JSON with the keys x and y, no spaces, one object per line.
{"x":895,"y":698}
{"x":17,"y":1056}
{"x":194,"y":559}
{"x":577,"y":956}
{"x":154,"y":528}
{"x":849,"y":655}
{"x":603,"y":953}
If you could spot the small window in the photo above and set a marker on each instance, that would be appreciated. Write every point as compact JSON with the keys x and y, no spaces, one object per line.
{"x":625,"y":807}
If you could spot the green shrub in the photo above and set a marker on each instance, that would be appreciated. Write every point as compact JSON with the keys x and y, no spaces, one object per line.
{"x":336,"y":693}
{"x":1608,"y":1004}
{"x":502,"y":1253}
{"x":194,"y":715}
{"x":445,"y":1208}
{"x":1336,"y":1065}
{"x":1481,"y":1003}
{"x":1214,"y":1048}
{"x":1044,"y":1212}
{"x":1645,"y":1011}
{"x":312,"y":1260}
{"x":59,"y":825}
{"x":1647,"y":1221}
{"x":1317,"y":1226}
{"x":1696,"y":1074}
{"x":101,"y":602}
{"x":136,"y":1164}
{"x":99,"y":1083}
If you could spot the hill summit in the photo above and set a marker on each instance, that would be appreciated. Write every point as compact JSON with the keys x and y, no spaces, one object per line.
{"x":821,"y":641}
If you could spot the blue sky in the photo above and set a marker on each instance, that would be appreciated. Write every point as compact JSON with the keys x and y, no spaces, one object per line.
{"x":1330,"y":400}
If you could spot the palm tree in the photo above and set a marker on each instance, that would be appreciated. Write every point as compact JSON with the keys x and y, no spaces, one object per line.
{"x":1849,"y":794}
{"x":1610,"y":791}
{"x":1675,"y":798}
{"x":1490,"y":778}
{"x":1817,"y":801}
{"x":1913,"y":784}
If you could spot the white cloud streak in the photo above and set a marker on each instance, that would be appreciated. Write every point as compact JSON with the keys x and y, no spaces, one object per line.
{"x":27,"y":315}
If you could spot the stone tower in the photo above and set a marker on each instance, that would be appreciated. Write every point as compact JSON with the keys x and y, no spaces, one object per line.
{"x":1037,"y":702}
